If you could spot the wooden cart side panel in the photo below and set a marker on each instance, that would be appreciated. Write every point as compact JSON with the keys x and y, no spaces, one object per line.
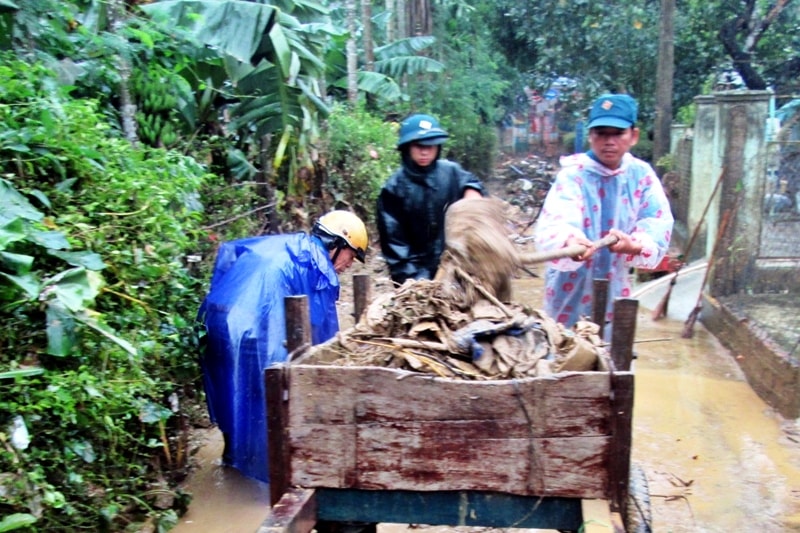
{"x":450,"y":456}
{"x":572,"y":404}
{"x":376,"y":428}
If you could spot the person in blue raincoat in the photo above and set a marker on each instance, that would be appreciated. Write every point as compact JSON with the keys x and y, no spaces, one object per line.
{"x":245,"y":323}
{"x":603,"y":191}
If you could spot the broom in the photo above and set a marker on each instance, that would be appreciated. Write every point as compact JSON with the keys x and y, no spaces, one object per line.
{"x":688,"y":326}
{"x":660,"y":310}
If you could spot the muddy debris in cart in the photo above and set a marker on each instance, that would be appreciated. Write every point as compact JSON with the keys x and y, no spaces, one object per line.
{"x":424,"y":326}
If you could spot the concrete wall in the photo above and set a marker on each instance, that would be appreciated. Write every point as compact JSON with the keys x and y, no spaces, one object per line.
{"x":772,"y":373}
{"x":706,"y":165}
{"x":756,"y":254}
{"x":729,"y":139}
{"x":677,"y":184}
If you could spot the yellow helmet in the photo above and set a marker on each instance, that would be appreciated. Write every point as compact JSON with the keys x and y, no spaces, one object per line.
{"x":347,"y":227}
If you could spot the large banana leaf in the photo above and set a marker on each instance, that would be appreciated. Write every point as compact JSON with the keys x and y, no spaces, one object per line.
{"x":234,"y":27}
{"x":409,"y":65}
{"x":375,"y":83}
{"x":394,"y":60}
{"x":404,"y":47}
{"x":271,"y":58}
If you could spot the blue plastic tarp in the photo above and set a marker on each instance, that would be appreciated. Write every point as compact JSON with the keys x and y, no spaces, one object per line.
{"x":245,"y":323}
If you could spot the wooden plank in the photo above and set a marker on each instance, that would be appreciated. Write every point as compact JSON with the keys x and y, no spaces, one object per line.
{"x":625,"y":311}
{"x":362,"y":294}
{"x":298,"y":324}
{"x":569,"y":404}
{"x":451,"y":508}
{"x":600,"y":294}
{"x":596,"y":517}
{"x":379,"y":428}
{"x":294,"y":512}
{"x":412,"y":456}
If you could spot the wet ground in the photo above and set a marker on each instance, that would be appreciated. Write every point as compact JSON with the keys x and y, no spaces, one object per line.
{"x":717,"y":458}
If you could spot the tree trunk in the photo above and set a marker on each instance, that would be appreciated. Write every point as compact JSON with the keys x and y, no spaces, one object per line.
{"x":391,"y":26}
{"x":366,"y":23}
{"x":664,"y":80}
{"x":742,"y":59}
{"x":116,"y":12}
{"x":420,"y":19}
{"x":352,"y":53}
{"x":265,"y":188}
{"x":402,"y":18}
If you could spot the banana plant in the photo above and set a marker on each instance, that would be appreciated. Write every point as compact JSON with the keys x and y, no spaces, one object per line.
{"x":393,"y":60}
{"x":271,"y":55}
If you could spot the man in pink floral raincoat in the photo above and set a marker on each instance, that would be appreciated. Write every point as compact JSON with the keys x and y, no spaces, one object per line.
{"x":605,"y":190}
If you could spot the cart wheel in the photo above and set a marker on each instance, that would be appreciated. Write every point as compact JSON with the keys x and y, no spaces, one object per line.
{"x":640,"y":516}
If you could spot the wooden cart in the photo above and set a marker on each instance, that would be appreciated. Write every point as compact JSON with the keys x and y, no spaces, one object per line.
{"x":378,"y":445}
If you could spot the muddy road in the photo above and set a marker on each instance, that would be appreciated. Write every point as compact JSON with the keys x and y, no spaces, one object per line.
{"x":717,"y":458}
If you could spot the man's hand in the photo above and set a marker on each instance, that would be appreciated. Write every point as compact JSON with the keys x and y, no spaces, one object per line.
{"x":472,"y":193}
{"x":582,"y":241}
{"x":625,"y":244}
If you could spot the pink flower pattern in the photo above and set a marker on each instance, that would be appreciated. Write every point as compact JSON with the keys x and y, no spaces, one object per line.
{"x":590,"y":199}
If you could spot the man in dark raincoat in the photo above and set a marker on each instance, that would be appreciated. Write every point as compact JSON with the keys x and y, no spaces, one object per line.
{"x":245,"y":322}
{"x":412,"y":203}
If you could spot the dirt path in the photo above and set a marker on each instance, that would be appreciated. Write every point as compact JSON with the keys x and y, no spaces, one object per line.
{"x":716,"y":457}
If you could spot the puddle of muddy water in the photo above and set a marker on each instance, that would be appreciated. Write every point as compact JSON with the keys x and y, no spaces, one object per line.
{"x":717,"y":458}
{"x":223,"y":500}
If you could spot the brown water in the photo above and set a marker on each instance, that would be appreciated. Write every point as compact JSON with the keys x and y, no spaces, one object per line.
{"x":717,"y":458}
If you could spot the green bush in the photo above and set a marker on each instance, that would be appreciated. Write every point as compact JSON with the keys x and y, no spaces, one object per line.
{"x":98,"y":357}
{"x":359,"y":155}
{"x":472,"y":143}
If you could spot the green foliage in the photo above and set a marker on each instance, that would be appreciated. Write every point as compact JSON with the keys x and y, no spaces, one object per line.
{"x":360,"y":157}
{"x":686,"y":114}
{"x":606,"y":46}
{"x":698,"y":51}
{"x":643,"y":149}
{"x":467,"y":110}
{"x":270,"y":67}
{"x":665,"y":164}
{"x":472,"y":142}
{"x":98,"y":293}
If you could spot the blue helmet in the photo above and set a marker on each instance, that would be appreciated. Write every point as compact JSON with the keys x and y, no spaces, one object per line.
{"x":422,"y":129}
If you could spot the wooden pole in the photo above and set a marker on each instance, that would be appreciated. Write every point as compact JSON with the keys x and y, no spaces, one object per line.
{"x":600,"y":295}
{"x":278,"y":457}
{"x":362,"y":294}
{"x":298,"y":324}
{"x":622,"y":387}
{"x":298,"y":339}
{"x":622,"y":334}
